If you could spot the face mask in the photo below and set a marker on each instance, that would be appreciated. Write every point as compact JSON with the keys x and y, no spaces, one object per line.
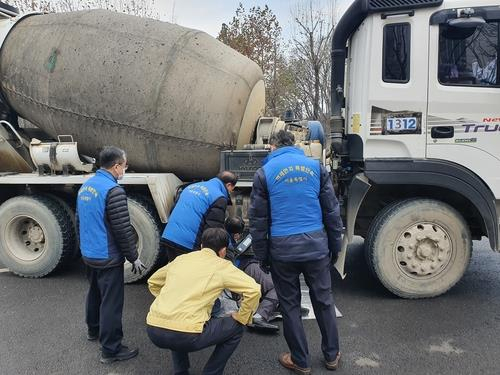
{"x":123,"y":169}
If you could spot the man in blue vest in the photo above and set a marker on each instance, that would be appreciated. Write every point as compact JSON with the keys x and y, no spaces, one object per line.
{"x":296,"y":229}
{"x":106,"y":239}
{"x":201,"y":205}
{"x":315,"y":132}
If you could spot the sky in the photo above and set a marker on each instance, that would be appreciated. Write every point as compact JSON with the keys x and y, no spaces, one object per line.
{"x":208,"y":15}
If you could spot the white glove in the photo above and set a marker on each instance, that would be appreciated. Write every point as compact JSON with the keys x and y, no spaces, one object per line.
{"x":138,"y":266}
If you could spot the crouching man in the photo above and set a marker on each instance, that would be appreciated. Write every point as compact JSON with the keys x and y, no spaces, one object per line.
{"x":185,"y":291}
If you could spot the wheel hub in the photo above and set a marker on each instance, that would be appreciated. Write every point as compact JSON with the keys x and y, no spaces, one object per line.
{"x":423,"y":250}
{"x":26,"y":238}
{"x":35,"y":234}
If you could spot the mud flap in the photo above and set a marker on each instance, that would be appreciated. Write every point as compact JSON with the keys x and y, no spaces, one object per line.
{"x":357,"y":190}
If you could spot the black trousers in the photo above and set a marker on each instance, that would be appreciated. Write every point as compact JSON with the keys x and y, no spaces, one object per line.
{"x":104,"y":306}
{"x":287,"y":283}
{"x":172,"y":250}
{"x":224,"y":333}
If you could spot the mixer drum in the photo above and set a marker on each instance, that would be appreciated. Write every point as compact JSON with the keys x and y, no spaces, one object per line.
{"x":172,"y":97}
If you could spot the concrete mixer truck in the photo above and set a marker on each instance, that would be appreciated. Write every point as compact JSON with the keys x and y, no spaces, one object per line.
{"x":413,"y":149}
{"x":172,"y":97}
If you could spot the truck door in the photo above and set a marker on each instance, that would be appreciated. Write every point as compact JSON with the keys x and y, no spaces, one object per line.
{"x":396,"y":93}
{"x":463,"y":123}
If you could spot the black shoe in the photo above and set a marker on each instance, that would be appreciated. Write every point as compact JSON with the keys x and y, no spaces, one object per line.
{"x":261,"y":325}
{"x":92,"y":336}
{"x":304,"y":311}
{"x":276,"y":315}
{"x":124,"y":354}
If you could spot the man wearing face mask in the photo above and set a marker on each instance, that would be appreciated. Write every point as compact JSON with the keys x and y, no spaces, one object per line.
{"x":106,"y":239}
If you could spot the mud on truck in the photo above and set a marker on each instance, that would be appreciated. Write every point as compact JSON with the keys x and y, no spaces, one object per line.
{"x":412,"y":151}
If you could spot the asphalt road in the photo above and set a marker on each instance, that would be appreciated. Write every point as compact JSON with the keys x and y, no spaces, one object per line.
{"x":42,"y":328}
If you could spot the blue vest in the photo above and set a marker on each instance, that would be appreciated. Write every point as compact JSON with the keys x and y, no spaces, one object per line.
{"x":91,"y":206}
{"x":189,"y":212}
{"x":293,"y":183}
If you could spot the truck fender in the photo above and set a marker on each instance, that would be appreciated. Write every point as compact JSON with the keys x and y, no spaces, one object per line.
{"x":443,"y":174}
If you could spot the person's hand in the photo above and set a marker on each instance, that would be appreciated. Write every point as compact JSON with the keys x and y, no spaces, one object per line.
{"x":138,"y":266}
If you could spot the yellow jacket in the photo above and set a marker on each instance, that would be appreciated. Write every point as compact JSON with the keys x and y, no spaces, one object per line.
{"x":186,"y":290}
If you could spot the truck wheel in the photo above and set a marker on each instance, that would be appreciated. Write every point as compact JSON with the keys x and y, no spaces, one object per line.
{"x":70,"y":210}
{"x":35,"y":235}
{"x":418,"y":248}
{"x":147,"y":226}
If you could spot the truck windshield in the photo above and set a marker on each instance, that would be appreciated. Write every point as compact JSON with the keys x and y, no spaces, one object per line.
{"x":468,"y":57}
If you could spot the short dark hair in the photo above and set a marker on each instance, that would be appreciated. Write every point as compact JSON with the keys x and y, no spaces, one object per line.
{"x":215,"y":239}
{"x":234,"y":224}
{"x":282,"y":139}
{"x":111,"y":155}
{"x":228,"y":177}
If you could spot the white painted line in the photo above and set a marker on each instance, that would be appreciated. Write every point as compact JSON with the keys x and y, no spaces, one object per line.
{"x":228,"y":305}
{"x":306,"y":301}
{"x":3,"y":270}
{"x":338,"y":313}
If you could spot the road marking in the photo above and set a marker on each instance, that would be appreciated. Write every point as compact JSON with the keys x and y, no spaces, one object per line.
{"x":228,"y":305}
{"x":3,"y":270}
{"x":445,"y":348}
{"x":306,"y":301}
{"x":367,"y":362}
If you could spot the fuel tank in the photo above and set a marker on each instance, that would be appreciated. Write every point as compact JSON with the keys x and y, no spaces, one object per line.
{"x":170,"y":96}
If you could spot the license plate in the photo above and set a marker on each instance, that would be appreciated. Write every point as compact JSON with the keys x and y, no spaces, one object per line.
{"x":401,"y":124}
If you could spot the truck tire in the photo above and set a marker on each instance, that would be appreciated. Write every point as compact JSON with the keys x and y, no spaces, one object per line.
{"x":70,"y":210}
{"x":147,"y":226}
{"x":36,"y":235}
{"x":418,"y":248}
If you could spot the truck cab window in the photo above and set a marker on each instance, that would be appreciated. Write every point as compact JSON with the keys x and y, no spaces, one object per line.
{"x":396,"y":55}
{"x":468,"y":57}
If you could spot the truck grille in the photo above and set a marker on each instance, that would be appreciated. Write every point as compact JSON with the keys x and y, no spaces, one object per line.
{"x":243,"y":162}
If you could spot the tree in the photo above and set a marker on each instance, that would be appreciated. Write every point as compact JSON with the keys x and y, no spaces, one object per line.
{"x":143,"y":8}
{"x":310,"y":60}
{"x":257,"y":35}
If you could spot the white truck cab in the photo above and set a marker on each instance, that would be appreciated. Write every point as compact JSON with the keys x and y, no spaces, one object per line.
{"x":416,"y":132}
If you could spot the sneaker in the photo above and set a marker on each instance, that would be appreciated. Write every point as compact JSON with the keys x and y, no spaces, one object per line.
{"x":124,"y":354}
{"x":285,"y":360}
{"x":333,"y":365}
{"x":92,"y":336}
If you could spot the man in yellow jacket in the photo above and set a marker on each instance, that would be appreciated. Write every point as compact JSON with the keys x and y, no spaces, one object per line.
{"x":185,"y":291}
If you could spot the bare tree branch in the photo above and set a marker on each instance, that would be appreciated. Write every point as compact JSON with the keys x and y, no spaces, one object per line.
{"x":311,"y":61}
